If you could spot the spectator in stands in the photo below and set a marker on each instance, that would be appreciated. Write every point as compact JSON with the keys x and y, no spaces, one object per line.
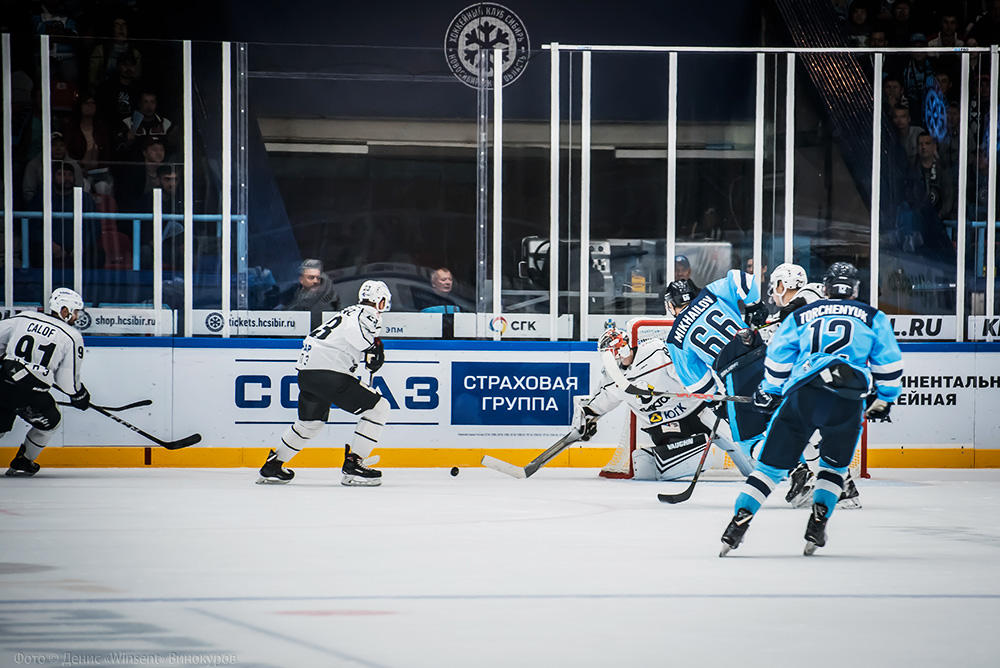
{"x":144,"y":122}
{"x":139,"y":179}
{"x":314,"y":292}
{"x":34,"y":170}
{"x":944,"y":83}
{"x":906,"y":132}
{"x":168,"y":180}
{"x":877,"y":38}
{"x":901,"y":25}
{"x":892,"y":95}
{"x":682,"y":271}
{"x":104,"y":57}
{"x":934,"y":176}
{"x":915,"y":74}
{"x":948,"y":36}
{"x":986,"y":29}
{"x":62,"y":228}
{"x":948,"y":147}
{"x":117,"y":95}
{"x":53,"y":18}
{"x":26,"y":138}
{"x":442,"y":282}
{"x":858,"y":26}
{"x":87,"y":137}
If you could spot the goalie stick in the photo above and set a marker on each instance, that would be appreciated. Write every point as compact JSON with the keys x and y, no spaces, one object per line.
{"x":169,"y":445}
{"x":686,"y":494}
{"x":538,"y":462}
{"x":611,"y":364}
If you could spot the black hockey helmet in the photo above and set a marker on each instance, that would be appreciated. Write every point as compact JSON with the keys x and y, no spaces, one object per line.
{"x":841,"y":281}
{"x":679,"y":293}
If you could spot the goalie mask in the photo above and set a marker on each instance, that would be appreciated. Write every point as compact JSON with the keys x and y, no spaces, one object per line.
{"x":616,"y":341}
{"x":70,"y":299}
{"x":841,"y":281}
{"x":791,"y":276}
{"x":377,"y":294}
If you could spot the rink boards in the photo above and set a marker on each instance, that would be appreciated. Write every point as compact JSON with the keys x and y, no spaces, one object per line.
{"x":452,"y":402}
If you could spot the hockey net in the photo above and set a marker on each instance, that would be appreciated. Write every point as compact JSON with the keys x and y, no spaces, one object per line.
{"x":620,"y":465}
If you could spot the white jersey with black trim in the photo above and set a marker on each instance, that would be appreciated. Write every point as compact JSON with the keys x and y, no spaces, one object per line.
{"x":651,"y":366}
{"x":339,"y":343}
{"x":49,"y":348}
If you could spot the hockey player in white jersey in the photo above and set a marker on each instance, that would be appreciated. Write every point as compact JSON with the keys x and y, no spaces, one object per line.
{"x":330,"y":356}
{"x":672,"y":424}
{"x":39,"y":351}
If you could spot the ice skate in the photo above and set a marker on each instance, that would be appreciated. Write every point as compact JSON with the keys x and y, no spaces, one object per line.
{"x":273,"y":472}
{"x":733,"y":535}
{"x":800,"y":486}
{"x":21,"y":466}
{"x":356,"y":474}
{"x":849,"y":498}
{"x":816,"y":529}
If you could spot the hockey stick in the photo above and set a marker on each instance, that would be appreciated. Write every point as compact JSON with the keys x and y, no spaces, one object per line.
{"x":611,"y":365}
{"x":134,"y":404}
{"x":686,"y":494}
{"x":536,"y":463}
{"x":169,"y":445}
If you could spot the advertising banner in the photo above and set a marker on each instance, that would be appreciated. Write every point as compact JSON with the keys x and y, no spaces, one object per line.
{"x":924,"y":327}
{"x":120,"y":321}
{"x":209,"y":322}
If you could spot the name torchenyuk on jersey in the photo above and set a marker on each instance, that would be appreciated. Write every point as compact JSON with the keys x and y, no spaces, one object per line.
{"x":859,"y":311}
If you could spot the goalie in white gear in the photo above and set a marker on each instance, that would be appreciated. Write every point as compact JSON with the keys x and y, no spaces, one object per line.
{"x":676,"y":427}
{"x":40,"y":350}
{"x":330,"y":356}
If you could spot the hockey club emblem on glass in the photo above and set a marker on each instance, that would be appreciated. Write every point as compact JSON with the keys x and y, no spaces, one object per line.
{"x":83,"y":321}
{"x":214,"y":322}
{"x":474,"y":35}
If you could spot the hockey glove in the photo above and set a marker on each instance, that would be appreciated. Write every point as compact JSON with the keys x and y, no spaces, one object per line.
{"x":879,"y":411}
{"x":756,"y":315}
{"x":375,"y":356}
{"x":765,"y":402}
{"x":585,"y":422}
{"x":80,"y":400}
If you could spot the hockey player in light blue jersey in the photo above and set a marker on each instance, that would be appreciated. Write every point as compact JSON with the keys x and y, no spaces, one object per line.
{"x":819,"y":369}
{"x":703,"y":326}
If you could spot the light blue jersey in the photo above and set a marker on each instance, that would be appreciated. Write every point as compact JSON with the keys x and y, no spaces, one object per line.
{"x":830,"y":332}
{"x":708,"y":323}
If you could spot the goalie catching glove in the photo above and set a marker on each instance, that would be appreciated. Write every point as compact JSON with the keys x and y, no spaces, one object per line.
{"x":375,"y":356}
{"x":585,"y":422}
{"x":879,"y":411}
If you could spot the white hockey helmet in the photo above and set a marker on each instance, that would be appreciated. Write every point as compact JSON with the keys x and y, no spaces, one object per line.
{"x":616,"y":341}
{"x":791,"y":276}
{"x":65,"y":297}
{"x":377,"y":293}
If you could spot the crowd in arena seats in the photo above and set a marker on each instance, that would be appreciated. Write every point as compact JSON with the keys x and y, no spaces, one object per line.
{"x":921,"y":96}
{"x":114,"y":100}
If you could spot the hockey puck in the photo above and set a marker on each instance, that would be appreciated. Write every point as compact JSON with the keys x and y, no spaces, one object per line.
{"x":454,"y":470}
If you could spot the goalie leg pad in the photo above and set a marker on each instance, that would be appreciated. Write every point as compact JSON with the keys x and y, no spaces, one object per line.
{"x":369,"y":428}
{"x":678,"y":458}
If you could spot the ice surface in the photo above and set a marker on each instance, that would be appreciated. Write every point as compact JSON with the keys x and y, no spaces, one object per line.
{"x":195,"y":567}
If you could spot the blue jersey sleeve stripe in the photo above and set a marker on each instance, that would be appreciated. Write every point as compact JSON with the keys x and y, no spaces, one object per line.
{"x":778,"y":366}
{"x":887,"y":376}
{"x":705,"y":384}
{"x":888,"y":368}
{"x":744,"y":285}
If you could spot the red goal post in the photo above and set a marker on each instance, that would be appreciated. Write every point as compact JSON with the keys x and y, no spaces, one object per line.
{"x":620,"y":465}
